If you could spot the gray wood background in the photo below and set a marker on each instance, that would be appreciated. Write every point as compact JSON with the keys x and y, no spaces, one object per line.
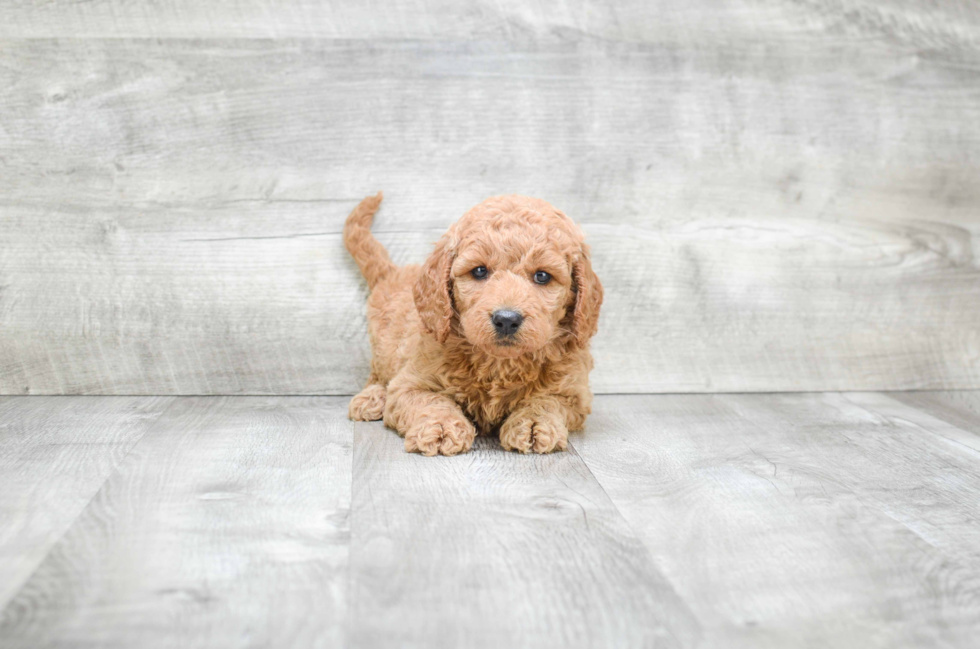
{"x":780,"y":194}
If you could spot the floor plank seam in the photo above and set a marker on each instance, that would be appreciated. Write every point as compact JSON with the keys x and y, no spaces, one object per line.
{"x":122,"y":461}
{"x":349,"y":613}
{"x":919,"y":427}
{"x":629,"y":524}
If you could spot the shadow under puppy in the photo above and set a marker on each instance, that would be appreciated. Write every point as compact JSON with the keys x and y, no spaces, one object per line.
{"x":491,"y":332}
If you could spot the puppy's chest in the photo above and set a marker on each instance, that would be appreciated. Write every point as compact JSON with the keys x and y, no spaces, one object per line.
{"x":489,"y":404}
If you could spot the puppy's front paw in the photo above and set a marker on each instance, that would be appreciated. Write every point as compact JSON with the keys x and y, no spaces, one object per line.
{"x":541,"y":433}
{"x":447,"y":434}
{"x":369,"y":404}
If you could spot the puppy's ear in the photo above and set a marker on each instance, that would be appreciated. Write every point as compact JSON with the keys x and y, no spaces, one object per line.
{"x":588,"y":299}
{"x":432,"y":299}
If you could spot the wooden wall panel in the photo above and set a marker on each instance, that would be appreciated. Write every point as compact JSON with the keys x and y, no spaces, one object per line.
{"x":936,"y":23}
{"x":767,"y":213}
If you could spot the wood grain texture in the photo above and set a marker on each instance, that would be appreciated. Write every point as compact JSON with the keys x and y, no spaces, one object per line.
{"x":799,"y":520}
{"x":809,"y":520}
{"x":494,"y":549}
{"x":55,"y":454}
{"x":225,"y":526}
{"x":790,"y":206}
{"x":941,"y":23}
{"x":946,"y":423}
{"x":959,"y":408}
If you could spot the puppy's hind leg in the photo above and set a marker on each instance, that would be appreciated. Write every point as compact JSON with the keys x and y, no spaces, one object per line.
{"x":369,"y":404}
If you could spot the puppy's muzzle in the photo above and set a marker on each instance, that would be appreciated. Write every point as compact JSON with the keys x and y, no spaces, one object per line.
{"x":506,"y":323}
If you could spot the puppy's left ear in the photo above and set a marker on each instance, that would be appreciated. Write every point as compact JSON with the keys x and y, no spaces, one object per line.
{"x":432,"y":298}
{"x":588,"y":299}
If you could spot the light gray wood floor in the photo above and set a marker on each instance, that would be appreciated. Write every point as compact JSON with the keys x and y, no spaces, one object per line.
{"x":793,"y":520}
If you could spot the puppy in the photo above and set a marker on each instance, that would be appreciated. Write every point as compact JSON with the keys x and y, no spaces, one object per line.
{"x":490,"y":333}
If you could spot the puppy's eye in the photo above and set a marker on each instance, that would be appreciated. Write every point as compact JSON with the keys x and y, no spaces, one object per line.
{"x":541,"y":277}
{"x":480,"y":272}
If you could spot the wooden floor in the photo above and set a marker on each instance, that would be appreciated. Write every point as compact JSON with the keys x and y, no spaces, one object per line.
{"x":792,"y":520}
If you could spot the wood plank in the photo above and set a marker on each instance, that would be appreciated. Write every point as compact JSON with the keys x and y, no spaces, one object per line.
{"x":797,"y":520}
{"x":944,"y":424}
{"x":942,"y":23}
{"x":226,"y":526}
{"x":55,"y":454}
{"x":793,"y":215}
{"x":494,"y":549}
{"x":960,"y":408}
{"x":305,"y":18}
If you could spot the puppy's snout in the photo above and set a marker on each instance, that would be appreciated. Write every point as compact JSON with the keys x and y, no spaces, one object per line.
{"x":506,"y":322}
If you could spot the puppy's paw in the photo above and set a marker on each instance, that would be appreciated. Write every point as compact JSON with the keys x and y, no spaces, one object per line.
{"x":541,"y":433}
{"x":369,"y":405}
{"x":447,"y":434}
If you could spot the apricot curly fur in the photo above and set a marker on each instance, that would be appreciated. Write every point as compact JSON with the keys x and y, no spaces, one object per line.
{"x":439,"y":373}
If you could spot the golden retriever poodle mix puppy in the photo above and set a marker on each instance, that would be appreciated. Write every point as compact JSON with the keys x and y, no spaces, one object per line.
{"x":490,"y":333}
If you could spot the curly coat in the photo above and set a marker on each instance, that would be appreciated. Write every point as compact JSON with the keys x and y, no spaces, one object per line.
{"x":441,"y":371}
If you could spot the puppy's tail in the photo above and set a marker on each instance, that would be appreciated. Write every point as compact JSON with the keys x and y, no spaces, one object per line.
{"x":370,"y":255}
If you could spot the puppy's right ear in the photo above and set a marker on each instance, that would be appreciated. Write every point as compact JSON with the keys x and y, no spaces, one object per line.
{"x":432,"y":298}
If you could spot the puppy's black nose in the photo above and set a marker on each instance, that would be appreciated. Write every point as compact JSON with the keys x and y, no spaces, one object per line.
{"x":506,"y":322}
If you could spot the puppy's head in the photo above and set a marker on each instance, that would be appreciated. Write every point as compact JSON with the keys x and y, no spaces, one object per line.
{"x":512,"y":276}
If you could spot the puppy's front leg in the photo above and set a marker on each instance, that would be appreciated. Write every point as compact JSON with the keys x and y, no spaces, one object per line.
{"x":540,"y":424}
{"x":369,"y":404}
{"x":430,"y":423}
